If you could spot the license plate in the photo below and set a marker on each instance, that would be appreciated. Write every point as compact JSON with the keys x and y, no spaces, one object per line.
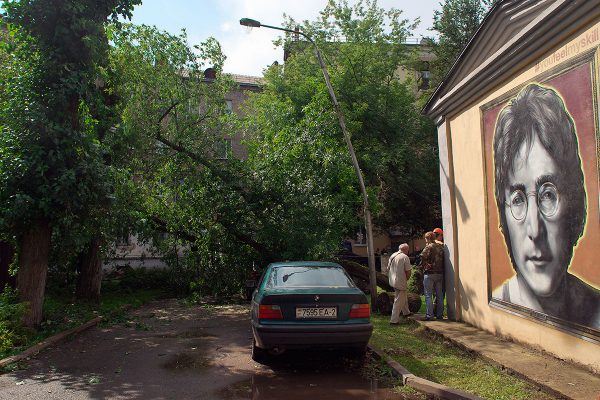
{"x":316,"y":312}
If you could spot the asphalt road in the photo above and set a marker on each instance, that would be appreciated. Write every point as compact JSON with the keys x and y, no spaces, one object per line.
{"x":171,"y":351}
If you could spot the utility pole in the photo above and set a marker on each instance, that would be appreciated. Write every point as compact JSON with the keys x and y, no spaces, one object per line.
{"x":366,"y":209}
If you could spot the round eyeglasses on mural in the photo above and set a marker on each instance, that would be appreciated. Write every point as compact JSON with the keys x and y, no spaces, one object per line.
{"x":547,"y":198}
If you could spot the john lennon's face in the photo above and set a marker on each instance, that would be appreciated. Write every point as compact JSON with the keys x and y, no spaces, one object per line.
{"x":537,"y":233}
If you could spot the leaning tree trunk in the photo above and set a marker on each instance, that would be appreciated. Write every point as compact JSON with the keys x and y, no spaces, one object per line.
{"x":360,"y":272}
{"x":33,"y":268}
{"x":90,"y":272}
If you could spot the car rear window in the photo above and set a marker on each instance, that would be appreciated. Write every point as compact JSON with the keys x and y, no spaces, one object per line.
{"x":309,"y":276}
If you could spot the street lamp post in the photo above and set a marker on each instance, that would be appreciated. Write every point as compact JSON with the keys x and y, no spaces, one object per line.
{"x":368,"y":222}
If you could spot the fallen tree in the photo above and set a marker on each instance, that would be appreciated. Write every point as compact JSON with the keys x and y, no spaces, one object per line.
{"x":385,"y":301}
{"x":360,"y":275}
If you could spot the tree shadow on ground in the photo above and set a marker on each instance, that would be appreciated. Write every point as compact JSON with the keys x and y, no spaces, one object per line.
{"x":166,"y":350}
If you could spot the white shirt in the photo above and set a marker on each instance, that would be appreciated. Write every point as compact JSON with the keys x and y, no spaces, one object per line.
{"x":398,"y":265}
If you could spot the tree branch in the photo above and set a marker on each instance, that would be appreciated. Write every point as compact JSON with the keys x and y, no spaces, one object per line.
{"x":244,"y":238}
{"x":167,"y":112}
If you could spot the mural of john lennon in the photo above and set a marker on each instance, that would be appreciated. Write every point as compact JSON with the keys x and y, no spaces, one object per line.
{"x":541,"y":199}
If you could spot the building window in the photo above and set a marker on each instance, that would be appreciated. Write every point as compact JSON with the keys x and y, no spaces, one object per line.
{"x":424,"y":76}
{"x":424,"y":80}
{"x":124,"y":238}
{"x":361,"y":237}
{"x":223,"y":149}
{"x":228,"y":107}
{"x":193,"y":105}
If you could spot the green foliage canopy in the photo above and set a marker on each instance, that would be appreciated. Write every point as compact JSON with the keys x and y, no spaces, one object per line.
{"x":365,"y":54}
{"x":51,"y":110}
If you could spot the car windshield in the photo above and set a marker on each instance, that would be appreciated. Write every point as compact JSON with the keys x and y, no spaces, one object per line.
{"x":309,"y":276}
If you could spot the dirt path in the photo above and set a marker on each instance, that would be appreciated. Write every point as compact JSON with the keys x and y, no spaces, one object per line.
{"x":170,"y":351}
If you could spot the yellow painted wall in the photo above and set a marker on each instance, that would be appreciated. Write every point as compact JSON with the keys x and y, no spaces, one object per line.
{"x":468,"y":160}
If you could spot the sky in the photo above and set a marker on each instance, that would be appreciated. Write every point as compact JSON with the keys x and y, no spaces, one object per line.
{"x":249,"y":52}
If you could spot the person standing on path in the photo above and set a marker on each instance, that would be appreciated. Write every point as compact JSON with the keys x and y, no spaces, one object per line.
{"x":399,"y":272}
{"x":432,"y":262}
{"x":439,"y":238}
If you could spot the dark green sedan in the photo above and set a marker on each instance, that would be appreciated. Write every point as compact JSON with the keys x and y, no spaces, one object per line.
{"x":304,"y":304}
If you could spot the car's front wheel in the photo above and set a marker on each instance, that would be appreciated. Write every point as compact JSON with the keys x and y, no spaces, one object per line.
{"x":259,"y":355}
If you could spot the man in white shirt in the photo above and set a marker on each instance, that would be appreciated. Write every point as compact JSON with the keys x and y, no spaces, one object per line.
{"x":399,"y":272}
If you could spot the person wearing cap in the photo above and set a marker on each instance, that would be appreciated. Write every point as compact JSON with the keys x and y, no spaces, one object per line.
{"x":439,"y":235}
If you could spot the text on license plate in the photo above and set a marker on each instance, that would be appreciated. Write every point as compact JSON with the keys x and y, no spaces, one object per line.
{"x":316,"y":312}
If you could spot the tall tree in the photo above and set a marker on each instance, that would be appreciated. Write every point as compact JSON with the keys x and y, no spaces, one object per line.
{"x":51,"y":164}
{"x":456,"y":24}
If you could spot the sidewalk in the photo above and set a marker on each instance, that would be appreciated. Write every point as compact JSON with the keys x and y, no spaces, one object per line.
{"x":557,"y":377}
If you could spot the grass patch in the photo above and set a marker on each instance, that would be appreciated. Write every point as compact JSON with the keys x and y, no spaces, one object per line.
{"x":431,"y":357}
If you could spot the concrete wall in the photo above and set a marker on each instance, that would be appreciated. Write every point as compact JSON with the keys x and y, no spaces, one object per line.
{"x":466,"y":217}
{"x":135,"y":254}
{"x":238,"y":97}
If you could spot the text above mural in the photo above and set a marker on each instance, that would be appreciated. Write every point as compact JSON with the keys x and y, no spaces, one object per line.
{"x":588,"y":41}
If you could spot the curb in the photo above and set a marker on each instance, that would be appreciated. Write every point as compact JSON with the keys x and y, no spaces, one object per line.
{"x":48,"y":342}
{"x":420,"y":384}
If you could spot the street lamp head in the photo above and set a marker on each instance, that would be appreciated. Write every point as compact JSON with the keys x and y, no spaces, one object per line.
{"x":250,"y":22}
